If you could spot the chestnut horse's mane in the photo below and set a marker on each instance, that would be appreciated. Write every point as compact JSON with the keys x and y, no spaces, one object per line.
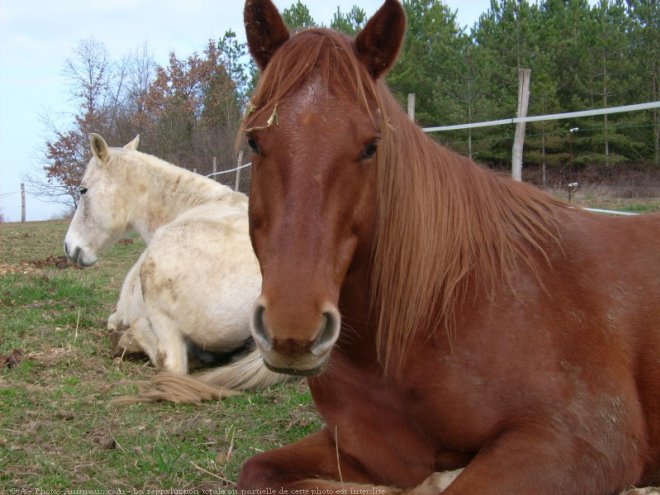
{"x":444,"y":223}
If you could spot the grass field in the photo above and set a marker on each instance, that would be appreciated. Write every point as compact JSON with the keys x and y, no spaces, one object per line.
{"x":58,"y":429}
{"x":620,"y":199}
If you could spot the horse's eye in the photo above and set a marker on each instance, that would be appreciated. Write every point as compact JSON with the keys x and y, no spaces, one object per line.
{"x":252,"y":143}
{"x":82,"y":190}
{"x":370,"y":150}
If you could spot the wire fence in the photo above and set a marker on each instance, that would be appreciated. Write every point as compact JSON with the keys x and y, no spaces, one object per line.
{"x":229,"y":171}
{"x":540,"y":118}
{"x":514,"y":120}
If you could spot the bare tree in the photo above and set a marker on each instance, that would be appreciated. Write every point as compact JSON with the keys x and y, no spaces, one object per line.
{"x":132,"y":117}
{"x":88,"y":74}
{"x":65,"y":155}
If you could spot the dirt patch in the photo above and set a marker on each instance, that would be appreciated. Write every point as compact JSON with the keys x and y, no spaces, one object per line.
{"x":22,"y":268}
{"x":47,"y":358}
{"x":102,"y":439}
{"x":50,"y":357}
{"x":54,"y":261}
{"x":13,"y":360}
{"x":27,"y":267}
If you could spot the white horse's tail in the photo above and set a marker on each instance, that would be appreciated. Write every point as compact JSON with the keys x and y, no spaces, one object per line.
{"x":247,"y":373}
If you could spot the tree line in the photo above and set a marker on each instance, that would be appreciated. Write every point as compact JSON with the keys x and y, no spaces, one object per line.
{"x":581,"y":56}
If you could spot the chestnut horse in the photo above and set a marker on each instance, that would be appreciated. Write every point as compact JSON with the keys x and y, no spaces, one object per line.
{"x":447,"y":317}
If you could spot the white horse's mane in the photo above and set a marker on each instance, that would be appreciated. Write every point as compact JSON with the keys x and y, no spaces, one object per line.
{"x":198,"y":188}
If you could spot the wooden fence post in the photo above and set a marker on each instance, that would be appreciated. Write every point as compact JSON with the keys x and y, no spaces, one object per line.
{"x":524,"y":76}
{"x":238,"y":171}
{"x":411,"y":106}
{"x":22,"y":202}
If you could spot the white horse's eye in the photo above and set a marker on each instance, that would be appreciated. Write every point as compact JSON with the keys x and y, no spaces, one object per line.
{"x":82,"y":190}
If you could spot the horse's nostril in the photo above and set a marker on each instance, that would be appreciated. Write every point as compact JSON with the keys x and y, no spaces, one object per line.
{"x":259,"y":328}
{"x":328,"y":334}
{"x":75,"y":256}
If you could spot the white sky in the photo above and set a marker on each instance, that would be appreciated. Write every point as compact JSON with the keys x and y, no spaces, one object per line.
{"x":36,"y":37}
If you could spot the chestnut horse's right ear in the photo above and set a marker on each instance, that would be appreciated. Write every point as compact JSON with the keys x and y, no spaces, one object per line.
{"x":99,"y":147}
{"x":265,"y":30}
{"x":379,"y":42}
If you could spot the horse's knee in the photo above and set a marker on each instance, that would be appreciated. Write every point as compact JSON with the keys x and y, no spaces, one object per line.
{"x":128,"y":343}
{"x":259,"y":473}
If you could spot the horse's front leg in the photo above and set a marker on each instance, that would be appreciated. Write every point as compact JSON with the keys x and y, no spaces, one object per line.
{"x":544,"y":461}
{"x":140,"y":337}
{"x":115,"y":322}
{"x":172,"y":354}
{"x":311,"y":466}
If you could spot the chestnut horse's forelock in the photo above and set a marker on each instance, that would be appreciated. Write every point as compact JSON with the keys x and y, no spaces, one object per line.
{"x":312,"y":53}
{"x":442,"y":223}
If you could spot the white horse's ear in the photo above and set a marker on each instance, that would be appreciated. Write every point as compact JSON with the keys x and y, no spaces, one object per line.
{"x":99,"y":147}
{"x":133,"y":144}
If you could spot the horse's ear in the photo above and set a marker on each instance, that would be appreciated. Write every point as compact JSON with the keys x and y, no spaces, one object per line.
{"x":379,"y":42}
{"x":99,"y":147}
{"x":132,"y":146}
{"x":265,"y":30}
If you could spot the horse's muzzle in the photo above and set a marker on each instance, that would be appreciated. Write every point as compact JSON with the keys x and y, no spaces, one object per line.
{"x":77,"y":255}
{"x":291,"y":348}
{"x":297,"y":372}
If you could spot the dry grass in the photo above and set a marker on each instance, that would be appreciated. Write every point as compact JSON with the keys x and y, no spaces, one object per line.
{"x":639,"y":199}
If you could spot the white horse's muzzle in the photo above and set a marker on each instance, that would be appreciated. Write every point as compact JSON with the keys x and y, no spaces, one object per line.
{"x":78,"y":254}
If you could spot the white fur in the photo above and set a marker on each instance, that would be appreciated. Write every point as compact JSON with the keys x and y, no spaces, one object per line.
{"x":198,"y":277}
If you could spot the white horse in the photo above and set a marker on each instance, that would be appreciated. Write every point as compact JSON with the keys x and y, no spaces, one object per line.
{"x":194,"y":286}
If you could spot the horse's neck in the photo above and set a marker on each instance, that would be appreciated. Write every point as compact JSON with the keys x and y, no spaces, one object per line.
{"x":356,"y":301}
{"x":158,"y":202}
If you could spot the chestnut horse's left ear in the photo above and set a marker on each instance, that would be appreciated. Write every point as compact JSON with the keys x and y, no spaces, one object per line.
{"x":379,"y":42}
{"x":265,"y":30}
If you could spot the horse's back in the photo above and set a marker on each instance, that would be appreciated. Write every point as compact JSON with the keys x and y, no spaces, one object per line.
{"x":201,"y":271}
{"x":611,"y":268}
{"x":618,"y":260}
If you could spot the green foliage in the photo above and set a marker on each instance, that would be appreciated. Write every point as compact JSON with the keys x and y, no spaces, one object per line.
{"x":431,"y":57}
{"x":581,"y":57}
{"x":297,"y":17}
{"x":351,"y":22}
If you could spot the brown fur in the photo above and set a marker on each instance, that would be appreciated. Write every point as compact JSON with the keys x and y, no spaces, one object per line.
{"x":452,"y":233}
{"x":547,"y":383}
